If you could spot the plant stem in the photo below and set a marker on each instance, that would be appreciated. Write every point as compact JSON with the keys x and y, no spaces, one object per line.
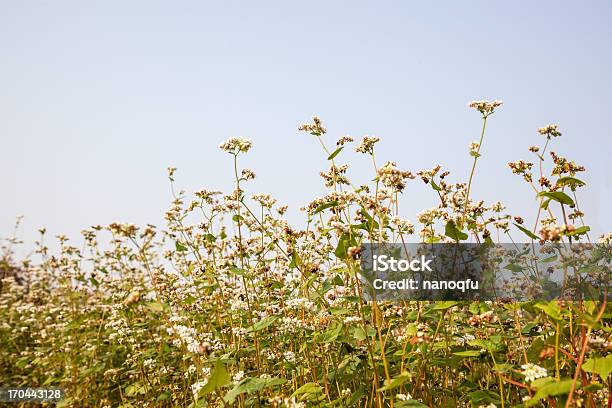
{"x":467,"y":196}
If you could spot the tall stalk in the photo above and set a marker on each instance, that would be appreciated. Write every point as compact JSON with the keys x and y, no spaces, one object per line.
{"x":476,"y":156}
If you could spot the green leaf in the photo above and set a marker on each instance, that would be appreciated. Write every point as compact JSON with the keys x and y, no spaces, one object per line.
{"x":345,"y":242}
{"x":514,"y":267}
{"x":308,"y":389}
{"x":237,"y":218}
{"x":218,"y":378}
{"x":180,"y":247}
{"x":325,"y":206}
{"x":296,"y":260}
{"x":331,"y":334}
{"x":262,"y":324}
{"x":552,"y":309}
{"x":163,"y":396}
{"x":396,"y":382}
{"x":503,"y":368}
{"x":579,"y":231}
{"x":526,"y":231}
{"x":558,"y":196}
{"x":134,"y":389}
{"x":453,"y":232}
{"x":528,"y":327}
{"x":357,"y":395}
{"x":468,"y":353}
{"x":593,"y":387}
{"x":443,"y":305}
{"x":410,"y":404}
{"x":550,"y":389}
{"x":599,"y":365}
{"x":485,"y":396}
{"x":372,"y":224}
{"x":237,"y":271}
{"x":492,"y":346}
{"x":156,"y":306}
{"x":335,"y":153}
{"x":570,"y":181}
{"x":478,"y":307}
{"x":359,"y":333}
{"x":434,"y":185}
{"x":250,"y":385}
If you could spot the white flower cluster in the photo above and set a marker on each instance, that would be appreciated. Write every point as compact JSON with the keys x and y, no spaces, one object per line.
{"x":549,"y":131}
{"x":236,"y":378}
{"x":427,"y":217}
{"x":485,"y":107}
{"x":235,"y":145}
{"x":606,"y":238}
{"x":466,"y":338}
{"x":196,"y":387}
{"x":351,"y":319}
{"x":404,"y":397}
{"x":286,"y":402}
{"x":497,"y":207}
{"x":298,"y":303}
{"x":403,"y":226}
{"x":292,"y":325}
{"x":289,"y":356}
{"x":533,"y":371}
{"x":315,"y":128}
{"x":474,"y":148}
{"x":265,"y":200}
{"x":148,"y":363}
{"x":392,"y":177}
{"x":187,"y":335}
{"x":367,"y":145}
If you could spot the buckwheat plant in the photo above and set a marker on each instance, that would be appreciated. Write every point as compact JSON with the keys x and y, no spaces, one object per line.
{"x":230,"y":305}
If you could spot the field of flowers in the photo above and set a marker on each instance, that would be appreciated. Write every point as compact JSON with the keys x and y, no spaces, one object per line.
{"x":229,"y":305}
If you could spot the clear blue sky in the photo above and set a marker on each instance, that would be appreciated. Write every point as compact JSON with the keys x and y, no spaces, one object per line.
{"x":98,"y":98}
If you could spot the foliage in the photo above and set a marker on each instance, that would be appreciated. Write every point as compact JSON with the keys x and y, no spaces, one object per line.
{"x":230,"y":305}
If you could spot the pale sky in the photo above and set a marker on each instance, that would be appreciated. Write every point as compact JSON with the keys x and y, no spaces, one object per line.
{"x":98,"y":98}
